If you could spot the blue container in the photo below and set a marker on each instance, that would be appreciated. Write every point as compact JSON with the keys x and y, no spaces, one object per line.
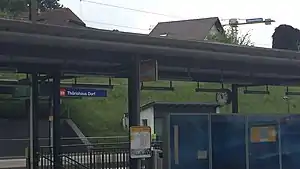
{"x":228,"y":142}
{"x":263,"y":142}
{"x":189,"y":142}
{"x":234,"y":141}
{"x":290,"y":141}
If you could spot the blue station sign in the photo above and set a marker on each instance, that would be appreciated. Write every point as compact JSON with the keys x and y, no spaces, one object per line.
{"x":80,"y":92}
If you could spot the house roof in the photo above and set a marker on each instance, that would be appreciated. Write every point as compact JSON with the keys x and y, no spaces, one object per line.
{"x":193,"y":29}
{"x":178,"y":104}
{"x":60,"y":17}
{"x":159,"y":105}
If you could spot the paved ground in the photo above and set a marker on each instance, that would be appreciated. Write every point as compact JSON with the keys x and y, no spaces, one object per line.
{"x":13,"y":163}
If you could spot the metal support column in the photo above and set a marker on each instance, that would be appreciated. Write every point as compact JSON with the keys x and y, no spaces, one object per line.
{"x":134,"y":102}
{"x":235,"y":98}
{"x":33,"y":10}
{"x":33,"y":114}
{"x":50,"y":121}
{"x":27,"y":150}
{"x":56,"y":121}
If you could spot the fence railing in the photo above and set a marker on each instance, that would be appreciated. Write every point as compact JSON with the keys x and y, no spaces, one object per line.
{"x":14,"y":147}
{"x":70,"y":163}
{"x":113,"y":157}
{"x":80,"y":156}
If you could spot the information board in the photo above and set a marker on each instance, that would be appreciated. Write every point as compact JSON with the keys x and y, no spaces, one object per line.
{"x":140,"y":142}
{"x":148,"y":71}
{"x":263,"y":134}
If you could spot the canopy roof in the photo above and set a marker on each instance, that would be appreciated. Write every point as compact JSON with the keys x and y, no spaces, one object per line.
{"x":28,"y":46}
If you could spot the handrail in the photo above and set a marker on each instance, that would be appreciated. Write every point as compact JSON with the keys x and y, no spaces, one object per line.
{"x":87,"y":145}
{"x":65,"y":156}
{"x":111,"y":156}
{"x":50,"y":160}
{"x":76,"y":162}
{"x":66,"y":138}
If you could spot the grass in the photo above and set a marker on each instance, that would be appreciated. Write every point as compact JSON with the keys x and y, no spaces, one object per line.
{"x":102,"y":116}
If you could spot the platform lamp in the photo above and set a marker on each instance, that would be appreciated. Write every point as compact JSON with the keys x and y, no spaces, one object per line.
{"x":90,"y":85}
{"x":289,"y":93}
{"x":158,"y":88}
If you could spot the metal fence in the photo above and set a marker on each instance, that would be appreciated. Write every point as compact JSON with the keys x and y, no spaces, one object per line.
{"x":105,"y":157}
{"x":98,"y":154}
{"x":12,"y":148}
{"x":94,"y":158}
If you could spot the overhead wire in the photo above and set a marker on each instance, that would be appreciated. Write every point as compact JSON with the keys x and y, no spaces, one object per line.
{"x":131,"y":9}
{"x":116,"y":25}
{"x":141,"y":11}
{"x":126,"y":8}
{"x":136,"y":28}
{"x":120,"y":7}
{"x":144,"y":29}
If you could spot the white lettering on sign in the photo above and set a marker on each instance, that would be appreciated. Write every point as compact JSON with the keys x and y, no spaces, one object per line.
{"x":85,"y":93}
{"x":91,"y":94}
{"x":72,"y":93}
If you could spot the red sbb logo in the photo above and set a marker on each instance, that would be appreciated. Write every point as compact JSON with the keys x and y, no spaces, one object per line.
{"x":62,"y":92}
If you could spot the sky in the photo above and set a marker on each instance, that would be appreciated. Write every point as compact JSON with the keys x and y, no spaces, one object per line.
{"x":97,"y":14}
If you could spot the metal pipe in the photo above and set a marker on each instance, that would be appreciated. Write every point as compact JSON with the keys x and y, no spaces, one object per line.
{"x":210,"y":141}
{"x":34,"y":150}
{"x":247,"y":141}
{"x":56,"y":121}
{"x":33,"y":11}
{"x":142,"y":49}
{"x":136,"y":38}
{"x":241,"y":73}
{"x":279,"y":144}
{"x":176,"y":144}
{"x":134,"y":102}
{"x":234,"y":98}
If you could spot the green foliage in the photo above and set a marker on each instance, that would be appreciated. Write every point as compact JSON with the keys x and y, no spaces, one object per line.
{"x":102,"y":117}
{"x":232,"y":36}
{"x":15,"y":7}
{"x":4,"y":14}
{"x":48,"y":4}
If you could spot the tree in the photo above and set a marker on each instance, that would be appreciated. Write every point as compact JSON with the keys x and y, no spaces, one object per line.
{"x":44,"y":5}
{"x":14,"y":7}
{"x":232,"y":36}
{"x":286,"y":37}
{"x":4,"y":14}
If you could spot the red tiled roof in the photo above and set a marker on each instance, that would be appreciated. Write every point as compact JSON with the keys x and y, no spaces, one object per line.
{"x":61,"y":17}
